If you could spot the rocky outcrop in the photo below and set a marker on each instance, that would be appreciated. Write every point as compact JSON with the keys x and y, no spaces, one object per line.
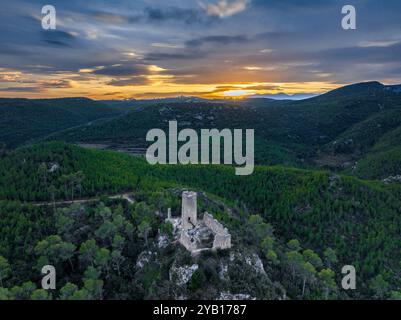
{"x":144,"y":258}
{"x":256,"y":263}
{"x":182,"y":275}
{"x":237,"y":296}
{"x":392,"y":179}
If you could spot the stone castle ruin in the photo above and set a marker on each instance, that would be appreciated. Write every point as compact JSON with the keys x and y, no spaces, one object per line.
{"x":222,"y":238}
{"x":189,"y":210}
{"x":198,"y":235}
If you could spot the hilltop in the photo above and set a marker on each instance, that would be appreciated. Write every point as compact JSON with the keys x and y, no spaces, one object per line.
{"x":353,"y":129}
{"x":340,"y":130}
{"x":335,"y":219}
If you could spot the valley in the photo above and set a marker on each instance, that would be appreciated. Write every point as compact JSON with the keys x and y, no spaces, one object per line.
{"x":341,"y":130}
{"x":324,"y":194}
{"x":164,"y":152}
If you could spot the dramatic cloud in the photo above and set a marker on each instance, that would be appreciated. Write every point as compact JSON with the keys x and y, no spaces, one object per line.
{"x":122,"y":70}
{"x":58,"y":37}
{"x":20,"y":89}
{"x":155,"y":15}
{"x":225,"y":8}
{"x":217,"y":40}
{"x":155,"y":48}
{"x":132,"y":81}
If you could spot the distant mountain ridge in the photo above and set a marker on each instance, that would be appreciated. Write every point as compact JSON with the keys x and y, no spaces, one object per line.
{"x":311,"y":132}
{"x":284,"y":96}
{"x":352,"y":128}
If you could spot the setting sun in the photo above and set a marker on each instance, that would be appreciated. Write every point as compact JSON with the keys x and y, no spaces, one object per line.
{"x":238,"y":93}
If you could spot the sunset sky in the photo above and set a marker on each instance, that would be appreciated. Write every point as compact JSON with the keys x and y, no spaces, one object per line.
{"x":208,"y":48}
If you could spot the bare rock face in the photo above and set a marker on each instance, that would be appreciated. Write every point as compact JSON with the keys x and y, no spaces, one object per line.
{"x":176,"y":223}
{"x":162,"y":241}
{"x":223,"y":271}
{"x":392,"y":179}
{"x":256,"y":263}
{"x":237,"y":296}
{"x":144,"y":258}
{"x":54,"y":167}
{"x":182,"y":275}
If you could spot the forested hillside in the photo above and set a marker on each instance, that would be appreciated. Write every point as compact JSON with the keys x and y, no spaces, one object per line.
{"x":22,"y":120}
{"x":292,"y":229}
{"x":348,"y":129}
{"x":370,"y":148}
{"x":332,"y":131}
{"x":342,"y":219}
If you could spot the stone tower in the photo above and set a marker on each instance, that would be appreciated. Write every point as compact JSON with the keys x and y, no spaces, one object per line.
{"x":189,"y":210}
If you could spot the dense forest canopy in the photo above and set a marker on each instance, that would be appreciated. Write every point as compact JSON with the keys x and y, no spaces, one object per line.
{"x":98,"y":216}
{"x":358,"y":220}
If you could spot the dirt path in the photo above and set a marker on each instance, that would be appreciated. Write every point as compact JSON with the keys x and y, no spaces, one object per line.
{"x":125,"y":196}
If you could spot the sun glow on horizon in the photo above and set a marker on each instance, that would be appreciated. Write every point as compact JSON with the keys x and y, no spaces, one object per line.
{"x":238,"y":93}
{"x":159,"y":83}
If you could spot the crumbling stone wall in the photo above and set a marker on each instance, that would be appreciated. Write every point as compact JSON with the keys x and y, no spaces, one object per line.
{"x":213,"y":224}
{"x":222,"y":241}
{"x":222,"y":238}
{"x":187,"y":241}
{"x":189,"y":210}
